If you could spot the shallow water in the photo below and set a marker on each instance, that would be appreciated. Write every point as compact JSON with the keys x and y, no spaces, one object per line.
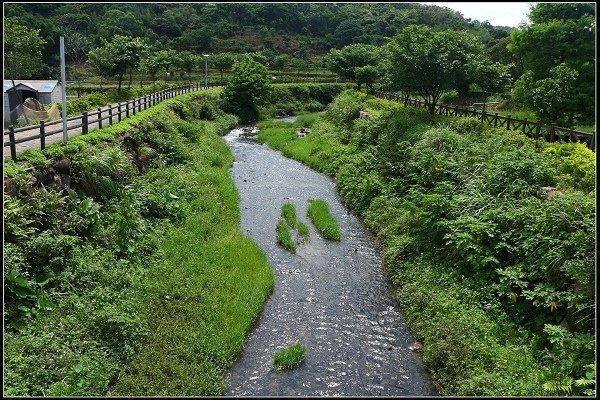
{"x":330,"y":296}
{"x":291,"y":118}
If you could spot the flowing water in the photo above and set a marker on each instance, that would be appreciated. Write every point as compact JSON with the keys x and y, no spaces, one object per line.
{"x":332,"y":297}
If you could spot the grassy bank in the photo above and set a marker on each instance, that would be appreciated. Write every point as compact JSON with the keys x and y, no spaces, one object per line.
{"x":136,"y":279}
{"x":488,"y":237}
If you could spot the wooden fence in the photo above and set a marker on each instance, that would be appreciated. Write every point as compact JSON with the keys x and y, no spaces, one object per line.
{"x":533,"y":129}
{"x":115,"y":113}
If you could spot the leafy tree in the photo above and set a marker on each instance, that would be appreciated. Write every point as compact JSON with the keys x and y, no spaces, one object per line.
{"x":116,"y":58}
{"x":491,"y":77}
{"x":125,"y":23}
{"x":347,"y":32}
{"x":561,"y":33}
{"x":188,"y":62}
{"x":281,"y":61}
{"x":428,"y":62}
{"x":367,"y":75}
{"x":222,"y":61}
{"x":549,"y":97}
{"x":346,"y":60}
{"x":22,"y":49}
{"x":77,"y":46}
{"x":249,"y":83}
{"x":159,"y":60}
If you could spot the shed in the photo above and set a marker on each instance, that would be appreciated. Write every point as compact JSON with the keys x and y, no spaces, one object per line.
{"x":44,"y":91}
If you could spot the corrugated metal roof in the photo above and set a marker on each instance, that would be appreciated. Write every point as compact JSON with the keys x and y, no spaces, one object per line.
{"x":40,"y":86}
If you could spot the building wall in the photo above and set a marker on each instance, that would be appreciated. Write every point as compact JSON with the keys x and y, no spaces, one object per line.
{"x":56,"y":95}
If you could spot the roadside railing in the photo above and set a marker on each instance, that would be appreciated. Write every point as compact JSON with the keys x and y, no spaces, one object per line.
{"x":87,"y":120}
{"x":532,"y":129}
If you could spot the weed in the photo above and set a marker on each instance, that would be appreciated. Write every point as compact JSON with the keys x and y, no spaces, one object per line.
{"x":284,"y":236}
{"x":318,"y":211}
{"x":289,"y":357}
{"x":288,"y":212}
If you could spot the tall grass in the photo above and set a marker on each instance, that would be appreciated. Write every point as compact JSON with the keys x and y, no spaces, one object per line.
{"x":149,"y":286}
{"x":318,"y":211}
{"x":289,"y":357}
{"x":207,"y":288}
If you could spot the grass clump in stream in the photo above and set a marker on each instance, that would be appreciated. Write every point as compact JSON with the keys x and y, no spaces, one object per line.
{"x":288,"y":358}
{"x":318,"y":211}
{"x":285,"y":225}
{"x":284,"y":235}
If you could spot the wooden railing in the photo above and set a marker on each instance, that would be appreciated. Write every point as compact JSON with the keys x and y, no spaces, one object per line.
{"x":113,"y":114}
{"x":533,"y":129}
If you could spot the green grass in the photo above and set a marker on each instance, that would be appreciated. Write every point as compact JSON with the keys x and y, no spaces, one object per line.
{"x":206,"y":290}
{"x":303,"y":229}
{"x":288,"y":212}
{"x":288,"y":358}
{"x":284,"y":227}
{"x":157,"y":300}
{"x":284,"y":236}
{"x":320,"y":152}
{"x":318,"y":211}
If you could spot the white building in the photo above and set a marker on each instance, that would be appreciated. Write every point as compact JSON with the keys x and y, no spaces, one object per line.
{"x":45,"y":92}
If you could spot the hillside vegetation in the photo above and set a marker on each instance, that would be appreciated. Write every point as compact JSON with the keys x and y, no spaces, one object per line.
{"x":488,"y":236}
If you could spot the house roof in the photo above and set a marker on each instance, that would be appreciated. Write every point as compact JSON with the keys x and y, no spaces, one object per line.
{"x":40,"y":86}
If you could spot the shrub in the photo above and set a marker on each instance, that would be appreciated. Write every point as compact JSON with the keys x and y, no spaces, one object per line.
{"x":574,"y":163}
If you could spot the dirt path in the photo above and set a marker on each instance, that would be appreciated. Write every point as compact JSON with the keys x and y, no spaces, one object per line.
{"x":331,"y":297}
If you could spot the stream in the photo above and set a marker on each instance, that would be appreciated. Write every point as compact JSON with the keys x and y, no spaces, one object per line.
{"x":332,"y":297}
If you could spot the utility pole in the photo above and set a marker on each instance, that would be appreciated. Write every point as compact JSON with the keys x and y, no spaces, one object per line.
{"x":64,"y":88}
{"x":205,"y":70}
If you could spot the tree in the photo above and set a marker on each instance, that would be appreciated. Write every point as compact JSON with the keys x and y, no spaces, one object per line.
{"x":77,"y":46}
{"x":367,"y":75}
{"x":125,"y":23}
{"x":346,"y":60}
{"x":249,"y":83}
{"x":549,"y":97}
{"x":280,"y":61}
{"x":222,"y":61}
{"x":188,"y":62}
{"x":116,"y":58}
{"x":491,"y":77}
{"x":428,"y":62}
{"x":22,"y":51}
{"x":561,"y":33}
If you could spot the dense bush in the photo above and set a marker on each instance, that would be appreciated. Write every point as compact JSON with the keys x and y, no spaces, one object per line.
{"x":77,"y":250}
{"x":494,"y":263}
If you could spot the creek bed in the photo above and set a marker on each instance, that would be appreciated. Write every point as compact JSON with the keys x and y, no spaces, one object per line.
{"x":332,"y":297}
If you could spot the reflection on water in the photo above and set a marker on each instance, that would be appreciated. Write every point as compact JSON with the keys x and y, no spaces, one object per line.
{"x":330,"y":296}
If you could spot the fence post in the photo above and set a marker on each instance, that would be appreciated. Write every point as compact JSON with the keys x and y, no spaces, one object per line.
{"x":495,"y":120}
{"x":119,"y":110}
{"x":99,"y":118}
{"x":145,"y":102}
{"x":84,"y":123}
{"x":42,"y":135}
{"x":551,"y":133}
{"x":508,"y":122}
{"x":524,"y":125}
{"x":110,"y":121}
{"x":133,"y":108}
{"x":538,"y":128}
{"x":11,"y":137}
